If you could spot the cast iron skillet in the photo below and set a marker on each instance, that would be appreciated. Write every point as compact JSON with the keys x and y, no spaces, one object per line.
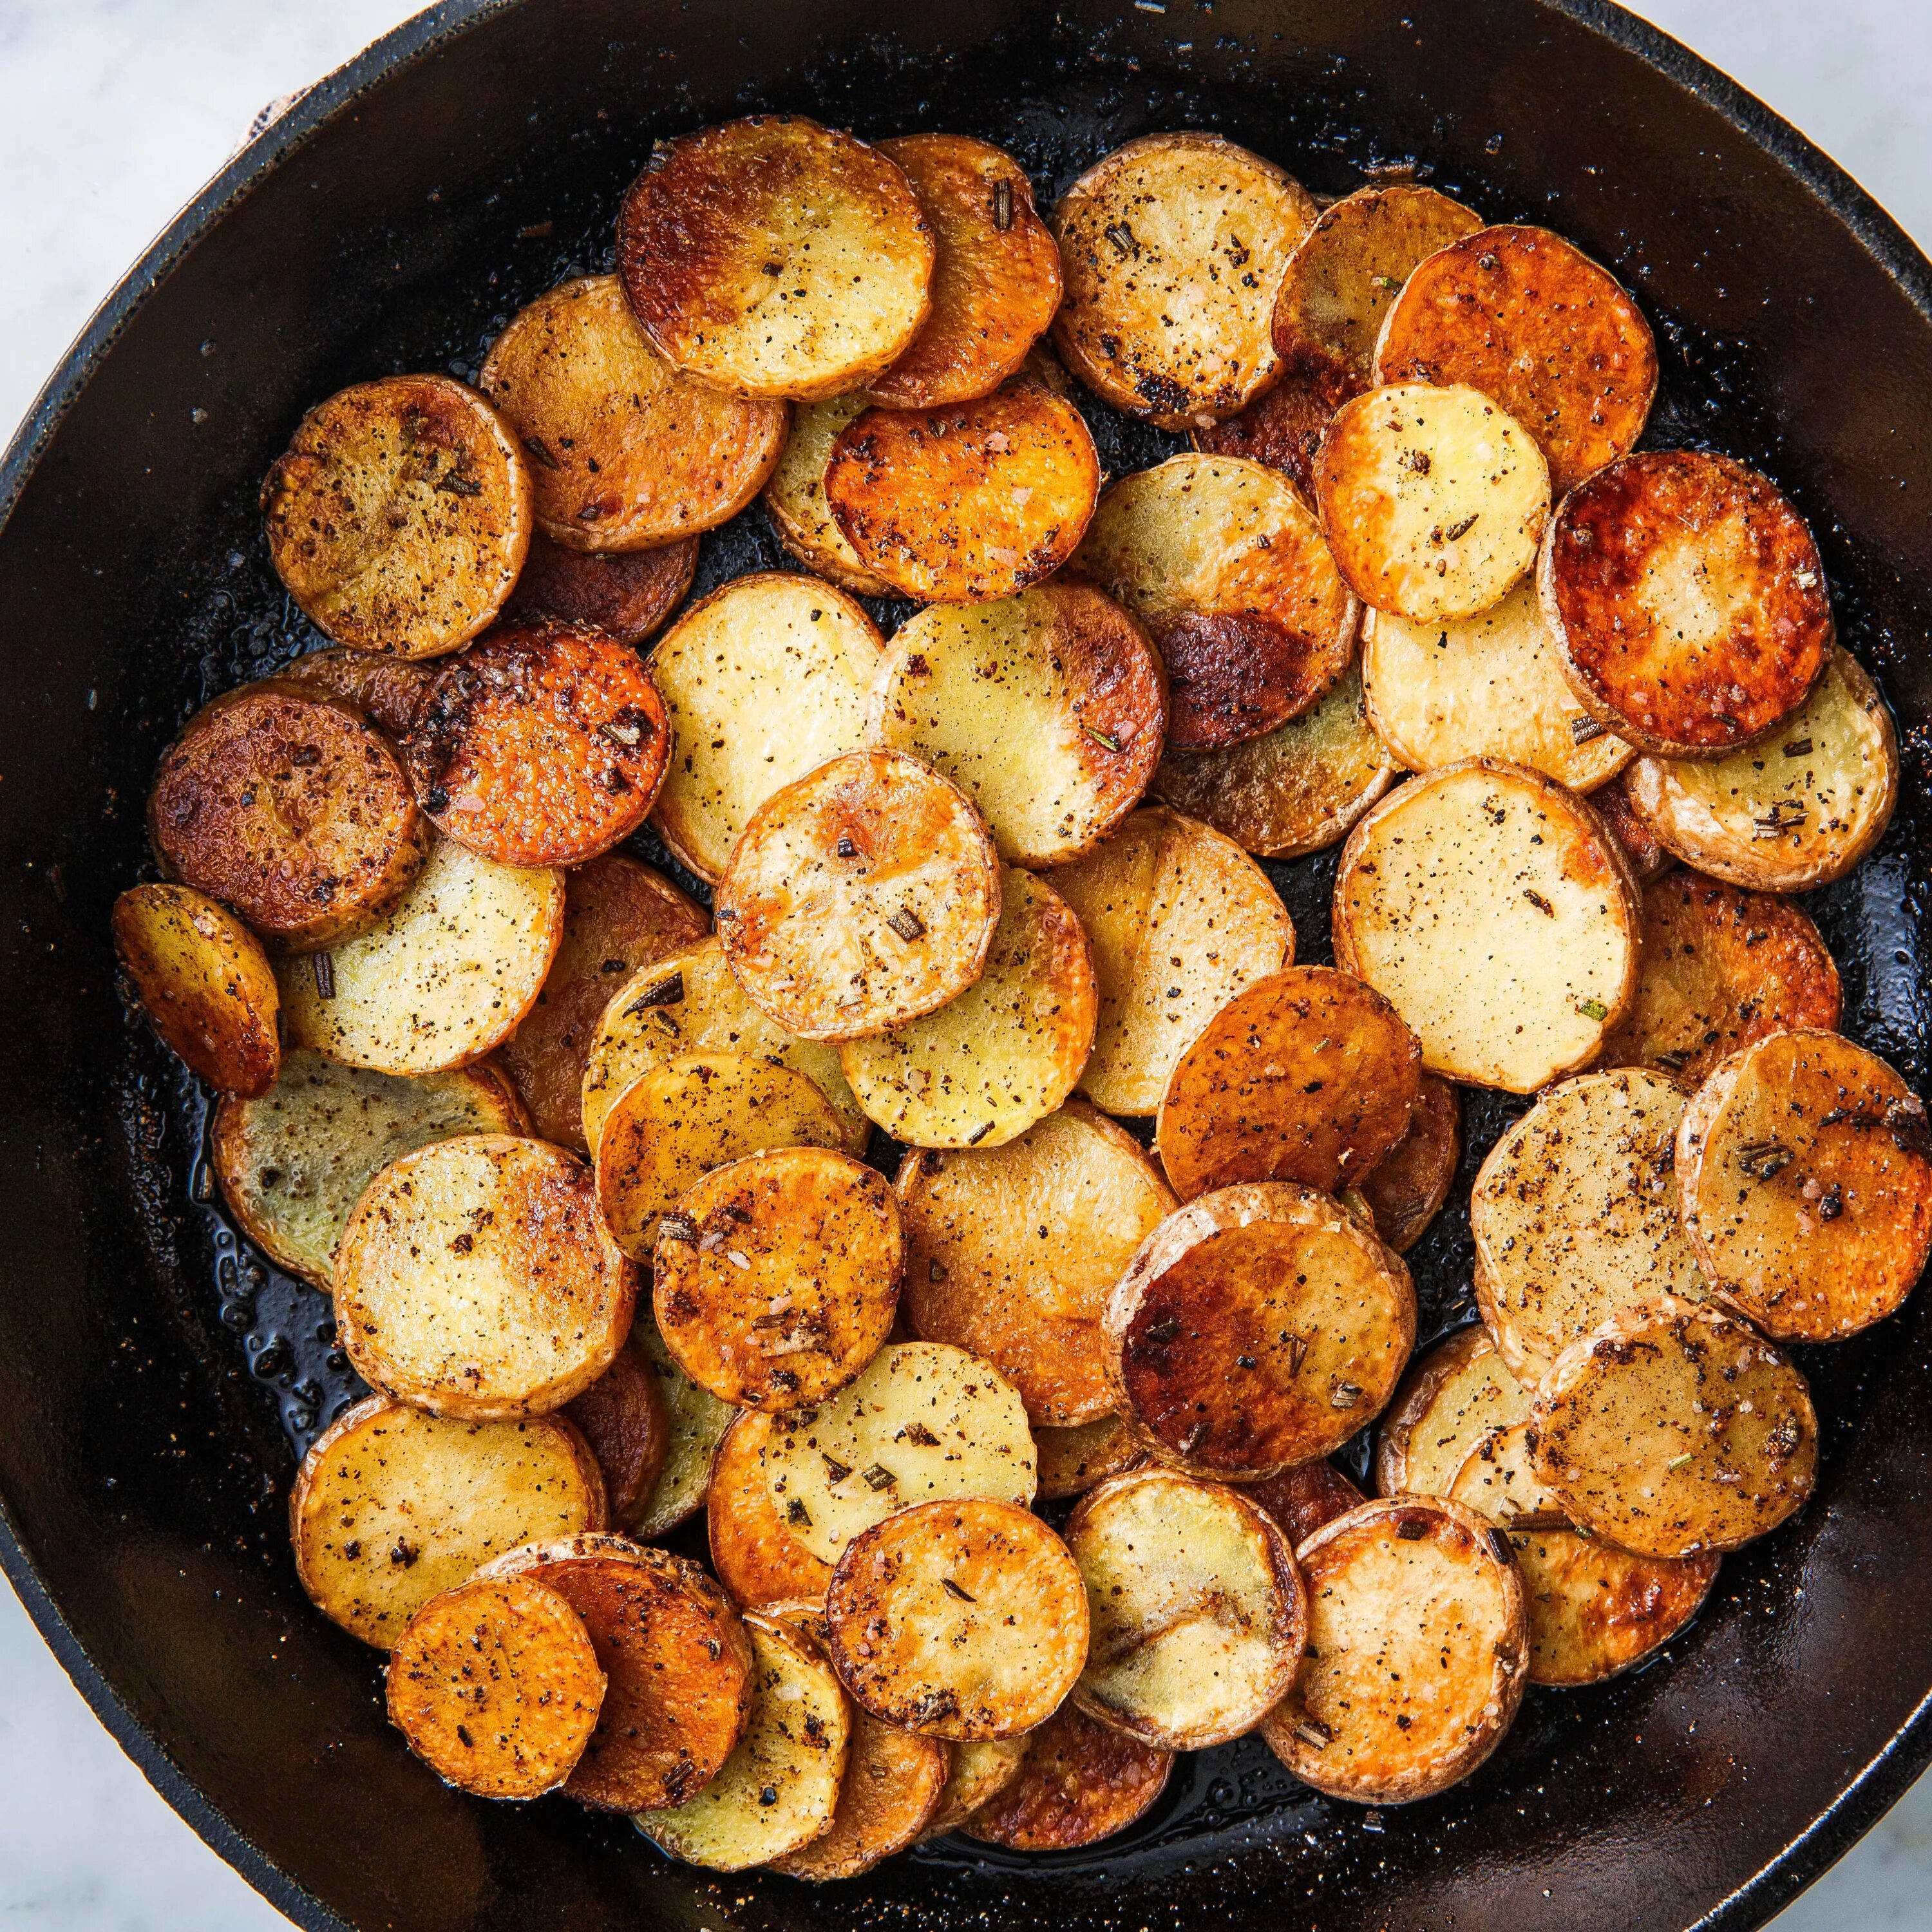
{"x":153,"y":1376}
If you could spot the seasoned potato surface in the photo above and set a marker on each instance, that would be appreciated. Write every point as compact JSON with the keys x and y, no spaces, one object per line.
{"x":1080,"y":1782}
{"x":386,"y":690}
{"x":1406,"y":1188}
{"x":757,"y":1558}
{"x":795,"y":497}
{"x":978,"y":1772}
{"x":1455,"y":1395}
{"x":1073,"y":1459}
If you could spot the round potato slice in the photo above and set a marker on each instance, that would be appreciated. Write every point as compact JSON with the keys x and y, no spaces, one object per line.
{"x":1417,"y":1650}
{"x":1673,"y":1430}
{"x":401,"y":516}
{"x":1459,"y":1392}
{"x":626,"y":1419}
{"x":386,"y":690}
{"x":959,"y":1620}
{"x":1807,"y":1172}
{"x":1499,"y":1480}
{"x":624,"y":452}
{"x":795,"y":497}
{"x":1195,"y":1607}
{"x":979,"y":1771}
{"x":290,"y":808}
{"x":1647,"y":856}
{"x":698,"y":1421}
{"x":1306,"y":1076}
{"x":773,"y":257}
{"x":1072,"y":1459}
{"x":1080,"y":1782}
{"x":1518,"y":313}
{"x":1303,"y":1499}
{"x":1490,"y":907}
{"x":1406,"y":1188}
{"x":1179,"y":920}
{"x":777,"y":1277}
{"x":475,"y":1279}
{"x":1433,"y":501}
{"x":861,"y":896}
{"x":1047,"y":708}
{"x":1284,"y":425}
{"x":1800,"y":810}
{"x":629,"y":593}
{"x":1258,"y":1327}
{"x":495,"y":1685}
{"x":757,"y":1558}
{"x":1172,"y":250}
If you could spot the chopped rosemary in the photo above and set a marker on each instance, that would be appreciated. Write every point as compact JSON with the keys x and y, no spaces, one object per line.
{"x":666,"y":993}
{"x":1593,"y":1009}
{"x":878,"y":1476}
{"x":1003,"y":204}
{"x":1122,"y":237}
{"x":907,"y":924}
{"x":1582,"y":730}
{"x":325,"y":977}
{"x":952,"y":1589}
{"x":1799,"y":747}
{"x":1105,"y":739}
{"x":1461,"y":529}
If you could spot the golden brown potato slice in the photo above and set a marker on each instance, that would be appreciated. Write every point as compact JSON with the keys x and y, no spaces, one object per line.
{"x":698,"y":1421}
{"x":1195,"y":1608}
{"x":1080,"y":1782}
{"x":624,"y":452}
{"x":777,"y":1277}
{"x":625,"y":1417}
{"x":495,"y":1685}
{"x":1645,"y":853}
{"x":757,"y":1558}
{"x":1303,"y":1499}
{"x":1406,"y":1188}
{"x":892,"y":1787}
{"x":1799,"y":810}
{"x":1499,"y":1480}
{"x":1179,"y":920}
{"x":1072,"y":1459}
{"x":795,"y":497}
{"x":1284,"y":425}
{"x":1492,"y":908}
{"x":1172,"y":250}
{"x":1807,"y":1173}
{"x":1518,"y":313}
{"x":1417,"y":1651}
{"x":1306,"y":1076}
{"x":979,"y":1771}
{"x":290,"y":808}
{"x":399,"y":518}
{"x":1047,"y":708}
{"x":1221,"y":562}
{"x":392,"y":1505}
{"x":773,"y":257}
{"x":763,"y":681}
{"x":959,"y":1620}
{"x":1258,"y":1327}
{"x":386,"y":690}
{"x":1459,"y":1392}
{"x":629,"y":593}
{"x":475,"y":1279}
{"x":861,"y":896}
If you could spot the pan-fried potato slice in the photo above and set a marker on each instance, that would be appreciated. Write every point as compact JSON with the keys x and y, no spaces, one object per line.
{"x":1499,"y":1480}
{"x":1258,"y":1327}
{"x":773,"y":257}
{"x":386,"y":690}
{"x":958,"y":1619}
{"x":393,"y":1505}
{"x":1433,"y":501}
{"x":757,"y":1558}
{"x":1047,"y":708}
{"x":629,"y":593}
{"x":443,"y":978}
{"x":1306,"y":1076}
{"x":777,"y":1278}
{"x":1454,"y":1395}
{"x":1221,"y":562}
{"x":795,"y":497}
{"x":1284,"y":425}
{"x":290,"y":808}
{"x":1807,"y":1173}
{"x":778,"y":1790}
{"x":475,"y":1279}
{"x":1179,"y":920}
{"x":626,"y":1418}
{"x":205,"y":984}
{"x":698,"y":1421}
{"x":1417,"y":1651}
{"x":1673,"y":1430}
{"x":1487,"y":686}
{"x":861,"y":896}
{"x":1406,"y":1188}
{"x":1080,"y":1782}
{"x":1575,"y":1215}
{"x":495,"y":1685}
{"x":1722,"y":968}
{"x":624,"y":452}
{"x":1647,"y":856}
{"x":1518,"y":313}
{"x":1799,"y":810}
{"x":1072,"y":1459}
{"x":400,"y":515}
{"x":1172,"y":250}
{"x":1195,"y":1608}
{"x":979,"y":1771}
{"x":1490,"y":906}
{"x":1303,"y":1499}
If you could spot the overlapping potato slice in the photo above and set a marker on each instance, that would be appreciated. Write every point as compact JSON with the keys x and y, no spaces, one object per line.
{"x":1282,"y":428}
{"x":386,"y":690}
{"x":698,"y":1421}
{"x":1499,"y":1480}
{"x":1074,"y":1458}
{"x":1645,"y":853}
{"x":629,"y":593}
{"x":1456,"y":1394}
{"x":1305,"y":1498}
{"x":625,"y":1416}
{"x":758,"y":1557}
{"x":794,"y":498}
{"x":1406,"y":1188}
{"x":1080,"y":1782}
{"x":979,"y":1771}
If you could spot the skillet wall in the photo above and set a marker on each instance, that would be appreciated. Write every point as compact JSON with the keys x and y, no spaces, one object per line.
{"x":142,"y":1468}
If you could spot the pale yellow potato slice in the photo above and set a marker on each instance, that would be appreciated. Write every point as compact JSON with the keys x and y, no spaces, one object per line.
{"x":1498,"y":1479}
{"x":892,"y":1785}
{"x":980,"y":1771}
{"x":795,"y":497}
{"x":698,"y":1421}
{"x":1452,"y":1397}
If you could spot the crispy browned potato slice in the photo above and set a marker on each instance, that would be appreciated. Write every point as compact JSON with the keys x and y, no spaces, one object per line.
{"x":1492,"y":908}
{"x":400,"y":515}
{"x":1648,"y":857}
{"x":625,"y":1417}
{"x":1417,"y":1650}
{"x":979,"y":1771}
{"x":961,"y":1620}
{"x":1306,"y":1076}
{"x":386,"y":690}
{"x":497,"y":1686}
{"x":1172,"y":250}
{"x":777,"y":1278}
{"x":1284,"y":425}
{"x":1073,"y":1459}
{"x":290,"y":808}
{"x":1406,"y":1188}
{"x":629,"y":593}
{"x":757,"y":1558}
{"x":1080,"y":1782}
{"x":1499,"y":1480}
{"x":1179,"y":920}
{"x":625,"y":451}
{"x":1454,"y":1395}
{"x":698,"y":1421}
{"x":795,"y":497}
{"x":1807,"y":1173}
{"x":1518,"y":313}
{"x":1195,"y":1607}
{"x":861,"y":896}
{"x":1301,"y":1500}
{"x":475,"y":1279}
{"x":1258,"y":1327}
{"x":1220,"y":560}
{"x":773,"y":257}
{"x":1800,"y":810}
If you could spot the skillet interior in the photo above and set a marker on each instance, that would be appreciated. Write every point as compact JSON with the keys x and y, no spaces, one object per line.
{"x":148,"y":1371}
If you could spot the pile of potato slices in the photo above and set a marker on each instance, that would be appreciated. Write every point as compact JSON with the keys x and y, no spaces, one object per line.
{"x":980,"y":1146}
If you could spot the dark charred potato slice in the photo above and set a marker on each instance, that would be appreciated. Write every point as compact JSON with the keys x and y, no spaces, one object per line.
{"x":794,"y":498}
{"x":386,"y":690}
{"x":1648,"y":856}
{"x":1072,"y":1459}
{"x":1406,"y":1188}
{"x":1080,"y":1782}
{"x":629,"y":593}
{"x":757,"y":1558}
{"x":1456,"y":1394}
{"x":1283,"y":426}
{"x":1304,"y":1499}
{"x":626,"y":1418}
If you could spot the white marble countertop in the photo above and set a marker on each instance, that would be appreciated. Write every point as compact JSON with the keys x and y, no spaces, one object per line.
{"x":112,"y":114}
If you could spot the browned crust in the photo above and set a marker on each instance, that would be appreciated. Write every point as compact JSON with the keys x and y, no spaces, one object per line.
{"x":1645,"y":853}
{"x":386,"y":690}
{"x":1406,"y":1188}
{"x":629,"y":593}
{"x":624,"y":1419}
{"x":1072,"y":1459}
{"x":892,"y":1785}
{"x":1082,"y":1782}
{"x":757,"y":1558}
{"x":1305,"y":1499}
{"x":1282,"y":426}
